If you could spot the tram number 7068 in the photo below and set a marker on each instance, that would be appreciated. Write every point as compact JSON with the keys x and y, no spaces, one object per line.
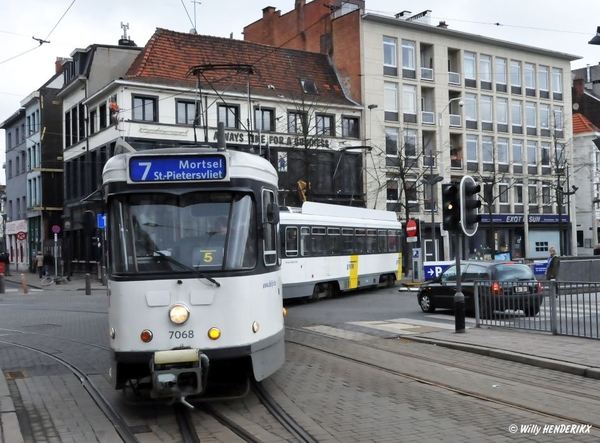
{"x":181,"y":334}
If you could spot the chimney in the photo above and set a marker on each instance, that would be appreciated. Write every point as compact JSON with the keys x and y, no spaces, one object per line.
{"x":58,"y":64}
{"x":578,"y":85}
{"x":442,"y":25}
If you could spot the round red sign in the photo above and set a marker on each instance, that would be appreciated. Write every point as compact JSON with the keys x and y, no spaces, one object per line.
{"x":411,"y":228}
{"x":21,"y":235}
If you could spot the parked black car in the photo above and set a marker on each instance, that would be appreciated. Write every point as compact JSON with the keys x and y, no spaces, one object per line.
{"x":503,"y":285}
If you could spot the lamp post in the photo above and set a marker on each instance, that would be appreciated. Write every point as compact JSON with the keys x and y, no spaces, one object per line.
{"x":596,"y":39}
{"x":431,"y":181}
{"x":441,"y":140}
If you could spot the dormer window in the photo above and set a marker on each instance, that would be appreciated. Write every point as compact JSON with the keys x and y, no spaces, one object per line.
{"x":309,"y":87}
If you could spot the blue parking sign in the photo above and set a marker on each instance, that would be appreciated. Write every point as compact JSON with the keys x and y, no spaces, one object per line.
{"x":101,"y":221}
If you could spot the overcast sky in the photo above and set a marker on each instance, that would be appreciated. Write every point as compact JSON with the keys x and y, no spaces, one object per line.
{"x":68,"y":24}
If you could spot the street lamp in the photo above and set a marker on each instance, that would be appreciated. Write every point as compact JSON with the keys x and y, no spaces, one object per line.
{"x":441,"y":139}
{"x":431,"y":181}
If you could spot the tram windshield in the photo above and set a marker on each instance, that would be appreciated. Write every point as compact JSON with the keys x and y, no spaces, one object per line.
{"x":166,"y":233}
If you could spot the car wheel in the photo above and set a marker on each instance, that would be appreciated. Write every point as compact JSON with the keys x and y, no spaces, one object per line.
{"x":532,"y":311}
{"x":426,"y":303}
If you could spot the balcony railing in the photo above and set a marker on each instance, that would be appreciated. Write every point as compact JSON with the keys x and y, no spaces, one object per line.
{"x":455,"y":120}
{"x":426,"y":74}
{"x":454,"y":78}
{"x":427,"y":118}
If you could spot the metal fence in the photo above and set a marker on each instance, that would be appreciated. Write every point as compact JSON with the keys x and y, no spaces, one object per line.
{"x":564,"y":308}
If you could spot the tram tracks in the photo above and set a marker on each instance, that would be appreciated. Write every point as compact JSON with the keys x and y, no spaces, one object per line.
{"x":334,"y":349}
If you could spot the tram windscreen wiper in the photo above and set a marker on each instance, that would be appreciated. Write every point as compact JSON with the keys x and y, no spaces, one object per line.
{"x":187,"y":268}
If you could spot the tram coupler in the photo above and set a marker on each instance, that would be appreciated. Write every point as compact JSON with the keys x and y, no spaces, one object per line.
{"x":178,"y":373}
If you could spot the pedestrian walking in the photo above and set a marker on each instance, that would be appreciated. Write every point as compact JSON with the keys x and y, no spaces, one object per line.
{"x":5,"y":258}
{"x":39,"y":260}
{"x":553,"y":266}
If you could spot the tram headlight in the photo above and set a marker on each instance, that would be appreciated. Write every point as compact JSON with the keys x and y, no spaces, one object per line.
{"x":255,"y":327}
{"x":179,"y":314}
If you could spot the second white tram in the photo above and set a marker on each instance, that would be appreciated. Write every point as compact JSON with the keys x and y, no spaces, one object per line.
{"x":328,"y":249}
{"x":194,"y":272}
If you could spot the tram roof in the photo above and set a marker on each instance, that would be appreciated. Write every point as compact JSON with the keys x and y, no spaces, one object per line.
{"x":321,"y":211}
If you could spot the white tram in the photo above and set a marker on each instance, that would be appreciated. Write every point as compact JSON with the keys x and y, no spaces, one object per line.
{"x":194,"y":272}
{"x":329,"y":248}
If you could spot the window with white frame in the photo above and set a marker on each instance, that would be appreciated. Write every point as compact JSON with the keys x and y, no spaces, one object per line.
{"x":517,"y":151}
{"x":390,"y":52}
{"x":472,"y":148}
{"x":264,"y":119}
{"x":532,"y":194}
{"x":390,"y":101}
{"x":545,"y":116}
{"x":518,"y":193}
{"x":530,"y":115}
{"x":412,"y":193}
{"x":557,"y":86}
{"x":545,"y":151}
{"x":408,"y":55}
{"x":502,"y":111}
{"x":532,"y":153}
{"x":543,"y":78}
{"x":558,"y":118}
{"x":487,"y":149}
{"x":391,"y":142}
{"x":516,"y":112}
{"x":515,"y":73}
{"x":409,"y":99}
{"x":470,"y":69}
{"x":502,"y":149}
{"x":500,"y":70}
{"x":471,"y":107}
{"x":503,"y":192}
{"x":546,"y":200}
{"x":529,"y":75}
{"x":485,"y":68}
{"x":410,"y":142}
{"x":486,"y":109}
{"x":393,"y":191}
{"x":560,"y":150}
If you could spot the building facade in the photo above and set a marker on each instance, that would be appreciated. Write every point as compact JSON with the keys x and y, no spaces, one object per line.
{"x":443,"y":103}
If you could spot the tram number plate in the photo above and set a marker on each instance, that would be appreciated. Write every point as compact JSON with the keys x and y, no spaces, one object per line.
{"x":181,"y":334}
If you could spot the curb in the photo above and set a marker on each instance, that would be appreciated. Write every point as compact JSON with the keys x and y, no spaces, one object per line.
{"x":541,"y":362}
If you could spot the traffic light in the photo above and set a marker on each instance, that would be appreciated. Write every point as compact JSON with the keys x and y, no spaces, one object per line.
{"x":469,"y":205}
{"x":450,"y":207}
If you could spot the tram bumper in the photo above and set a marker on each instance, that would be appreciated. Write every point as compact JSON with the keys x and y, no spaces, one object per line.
{"x":178,"y":373}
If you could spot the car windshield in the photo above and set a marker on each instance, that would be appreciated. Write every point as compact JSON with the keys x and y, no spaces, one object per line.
{"x":514,"y":272}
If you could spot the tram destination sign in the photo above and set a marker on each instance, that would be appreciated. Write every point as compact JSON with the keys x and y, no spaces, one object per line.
{"x":178,"y":168}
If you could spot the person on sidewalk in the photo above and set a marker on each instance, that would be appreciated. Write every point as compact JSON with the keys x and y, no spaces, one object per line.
{"x":553,"y":266}
{"x":5,"y":258}
{"x":39,"y":260}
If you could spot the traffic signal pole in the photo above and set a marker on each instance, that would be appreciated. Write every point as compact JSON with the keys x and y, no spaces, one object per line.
{"x":459,"y":297}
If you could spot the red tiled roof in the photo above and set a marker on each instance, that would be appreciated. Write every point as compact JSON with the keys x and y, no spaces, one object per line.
{"x":582,"y":125}
{"x":169,"y":56}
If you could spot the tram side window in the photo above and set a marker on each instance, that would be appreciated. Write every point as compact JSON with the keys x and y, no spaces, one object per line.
{"x":334,"y":241}
{"x":348,"y":239}
{"x":393,"y":242}
{"x":305,"y":242}
{"x":371,"y":240}
{"x":269,"y":230}
{"x":319,"y":241}
{"x":361,"y":241}
{"x":382,"y":243}
{"x":291,"y":241}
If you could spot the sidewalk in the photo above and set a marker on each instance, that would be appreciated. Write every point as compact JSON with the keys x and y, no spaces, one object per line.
{"x":77,"y":282}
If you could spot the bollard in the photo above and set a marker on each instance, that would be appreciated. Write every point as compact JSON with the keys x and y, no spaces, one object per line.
{"x":2,"y":289}
{"x":24,"y":284}
{"x":88,"y":284}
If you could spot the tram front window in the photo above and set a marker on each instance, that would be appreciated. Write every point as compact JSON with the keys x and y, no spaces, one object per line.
{"x":165,"y":233}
